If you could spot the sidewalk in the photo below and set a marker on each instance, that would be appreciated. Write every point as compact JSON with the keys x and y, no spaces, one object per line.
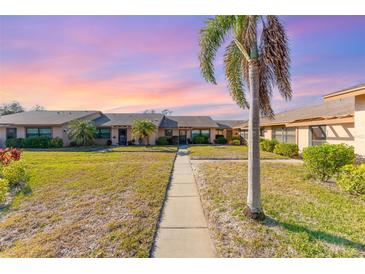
{"x":183,"y":231}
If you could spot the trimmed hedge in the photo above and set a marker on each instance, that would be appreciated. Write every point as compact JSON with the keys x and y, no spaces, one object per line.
{"x":220,"y":140}
{"x":352,"y":179}
{"x":268,"y":145}
{"x":200,"y":139}
{"x":35,"y":142}
{"x":324,"y":161}
{"x":162,"y":141}
{"x":289,"y":150}
{"x":236,"y":142}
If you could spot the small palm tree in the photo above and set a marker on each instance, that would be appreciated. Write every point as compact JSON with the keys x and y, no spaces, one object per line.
{"x":143,"y":129}
{"x":82,"y":131}
{"x":259,"y":65}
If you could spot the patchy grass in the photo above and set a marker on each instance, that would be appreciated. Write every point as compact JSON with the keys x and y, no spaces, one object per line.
{"x":87,"y":204}
{"x":226,"y":152}
{"x":305,"y":219}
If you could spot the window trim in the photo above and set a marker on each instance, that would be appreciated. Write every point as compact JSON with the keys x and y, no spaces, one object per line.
{"x":284,"y":134}
{"x":38,"y":134}
{"x":200,"y":131}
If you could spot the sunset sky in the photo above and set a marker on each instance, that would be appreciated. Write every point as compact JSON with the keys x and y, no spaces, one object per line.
{"x":133,"y":63}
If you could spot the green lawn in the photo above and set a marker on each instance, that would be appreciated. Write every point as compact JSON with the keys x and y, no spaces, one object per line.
{"x":305,"y":219}
{"x":226,"y":152}
{"x":87,"y":204}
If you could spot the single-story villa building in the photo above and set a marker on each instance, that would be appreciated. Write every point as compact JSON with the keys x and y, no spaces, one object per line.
{"x":116,"y":127}
{"x":340,"y":118}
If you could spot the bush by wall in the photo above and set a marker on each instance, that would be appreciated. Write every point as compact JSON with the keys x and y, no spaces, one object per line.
{"x":35,"y":142}
{"x":324,"y":161}
{"x":268,"y":145}
{"x":236,"y":142}
{"x":284,"y":149}
{"x":220,"y":140}
{"x":352,"y":179}
{"x":200,"y":139}
{"x":162,"y":141}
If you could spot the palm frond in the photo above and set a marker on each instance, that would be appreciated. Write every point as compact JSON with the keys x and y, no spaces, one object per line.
{"x":211,"y":38}
{"x":233,"y":70}
{"x":274,"y":50}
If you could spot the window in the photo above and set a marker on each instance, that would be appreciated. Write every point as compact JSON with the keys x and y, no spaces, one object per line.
{"x":39,"y":132}
{"x":284,"y":135}
{"x":262,"y":132}
{"x":103,"y":133}
{"x":168,"y":132}
{"x":11,"y":133}
{"x":202,"y":132}
{"x":318,"y":135}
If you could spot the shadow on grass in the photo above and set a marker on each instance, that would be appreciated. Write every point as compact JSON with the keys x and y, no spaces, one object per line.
{"x":315,"y":234}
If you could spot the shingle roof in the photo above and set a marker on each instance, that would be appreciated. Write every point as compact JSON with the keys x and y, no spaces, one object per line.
{"x":127,"y":119}
{"x":188,"y":121}
{"x":44,"y":117}
{"x":329,"y":109}
{"x":229,"y":123}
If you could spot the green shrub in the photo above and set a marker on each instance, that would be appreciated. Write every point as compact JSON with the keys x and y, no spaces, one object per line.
{"x":236,"y":138}
{"x":4,"y":188}
{"x":268,"y":145}
{"x":35,"y":142}
{"x":236,"y":142}
{"x":221,"y":140}
{"x":324,"y":161}
{"x":200,"y":139}
{"x":162,"y":141}
{"x":56,"y":142}
{"x":15,"y":142}
{"x":289,"y":150}
{"x":15,"y":174}
{"x":352,"y":179}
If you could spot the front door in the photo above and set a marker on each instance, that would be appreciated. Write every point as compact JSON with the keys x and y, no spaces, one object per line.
{"x":122,"y":136}
{"x":182,"y":137}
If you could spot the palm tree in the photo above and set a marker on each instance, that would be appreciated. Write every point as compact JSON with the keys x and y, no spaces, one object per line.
{"x":143,"y":129}
{"x":258,"y":64}
{"x":82,"y":131}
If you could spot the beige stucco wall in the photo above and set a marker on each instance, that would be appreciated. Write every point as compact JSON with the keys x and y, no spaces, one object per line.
{"x":267,"y":133}
{"x":302,"y":135}
{"x":340,"y":134}
{"x":359,"y":132}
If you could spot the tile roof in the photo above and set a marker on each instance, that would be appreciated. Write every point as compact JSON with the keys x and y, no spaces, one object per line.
{"x":44,"y":117}
{"x":189,"y":122}
{"x":127,"y":119}
{"x":229,"y":123}
{"x":338,"y":108}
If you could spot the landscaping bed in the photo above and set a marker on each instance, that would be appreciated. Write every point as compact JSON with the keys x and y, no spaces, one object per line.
{"x":226,"y":152}
{"x":87,"y":204}
{"x":304,"y":218}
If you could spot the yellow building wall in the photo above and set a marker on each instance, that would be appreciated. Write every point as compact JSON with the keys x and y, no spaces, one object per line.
{"x":268,"y":133}
{"x":360,"y":125}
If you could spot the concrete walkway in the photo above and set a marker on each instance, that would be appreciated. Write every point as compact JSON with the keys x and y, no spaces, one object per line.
{"x":183,"y":231}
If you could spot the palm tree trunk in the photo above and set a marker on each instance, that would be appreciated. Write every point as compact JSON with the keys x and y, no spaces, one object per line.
{"x":254,"y":209}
